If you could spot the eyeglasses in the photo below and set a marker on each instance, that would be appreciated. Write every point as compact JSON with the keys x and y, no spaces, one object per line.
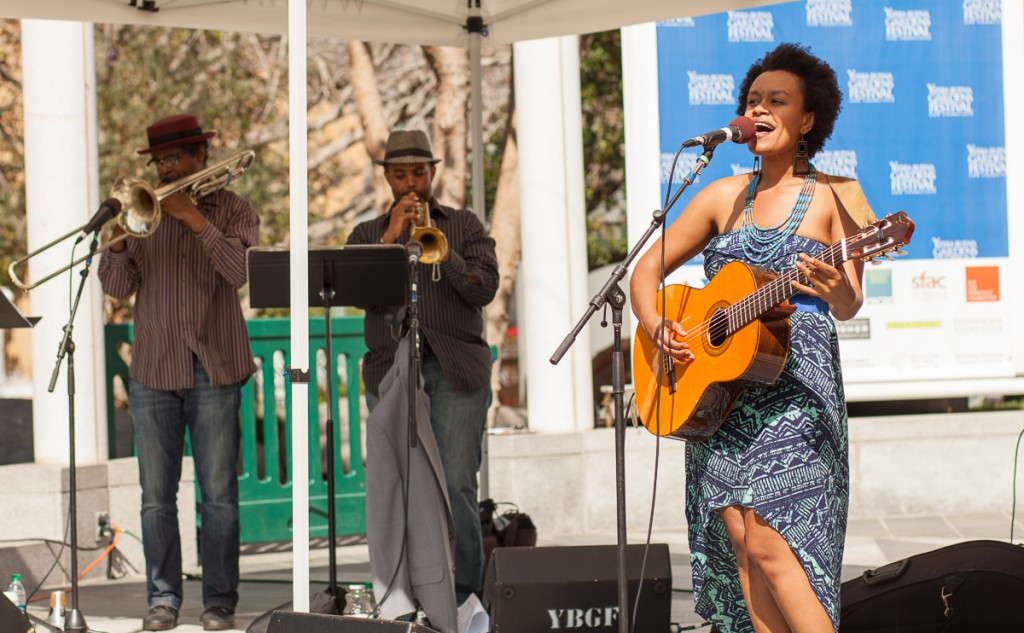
{"x":167,"y":161}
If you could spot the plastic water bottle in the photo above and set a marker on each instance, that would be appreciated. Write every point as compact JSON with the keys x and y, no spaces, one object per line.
{"x":358,"y":602}
{"x":16,"y":592}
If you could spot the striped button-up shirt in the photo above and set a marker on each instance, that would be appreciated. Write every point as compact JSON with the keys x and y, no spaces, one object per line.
{"x":450,"y":309}
{"x":186,"y":286}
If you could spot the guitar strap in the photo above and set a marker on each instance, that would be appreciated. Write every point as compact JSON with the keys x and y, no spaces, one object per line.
{"x":851,"y":196}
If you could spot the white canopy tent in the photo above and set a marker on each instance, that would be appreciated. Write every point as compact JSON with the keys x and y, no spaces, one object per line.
{"x":435,"y":22}
{"x":438,"y":22}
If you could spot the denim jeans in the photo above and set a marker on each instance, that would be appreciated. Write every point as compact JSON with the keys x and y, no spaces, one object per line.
{"x":458,"y":419}
{"x":160,"y":418}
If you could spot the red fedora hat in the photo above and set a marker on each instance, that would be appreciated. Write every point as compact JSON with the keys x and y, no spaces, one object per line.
{"x":179,"y":129}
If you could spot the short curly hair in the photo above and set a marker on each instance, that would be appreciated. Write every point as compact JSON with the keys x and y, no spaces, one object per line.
{"x":818,"y":81}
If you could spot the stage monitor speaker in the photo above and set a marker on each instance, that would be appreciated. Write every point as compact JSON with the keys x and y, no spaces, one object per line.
{"x":530,"y":589}
{"x":12,"y":620}
{"x":291,"y":622}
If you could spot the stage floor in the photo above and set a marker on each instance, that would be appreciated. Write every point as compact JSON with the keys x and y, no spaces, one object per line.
{"x":117,"y":606}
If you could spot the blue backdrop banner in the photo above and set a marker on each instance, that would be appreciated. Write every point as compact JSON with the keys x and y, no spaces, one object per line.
{"x":922,"y":119}
{"x":922,"y":129}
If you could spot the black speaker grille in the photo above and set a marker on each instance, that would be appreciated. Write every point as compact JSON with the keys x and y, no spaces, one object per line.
{"x":531,"y":589}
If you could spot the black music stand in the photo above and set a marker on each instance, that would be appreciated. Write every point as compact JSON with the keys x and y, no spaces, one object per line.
{"x":362,"y":276}
{"x":11,"y":317}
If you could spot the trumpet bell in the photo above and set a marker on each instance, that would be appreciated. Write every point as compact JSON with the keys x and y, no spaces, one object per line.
{"x":435,"y":244}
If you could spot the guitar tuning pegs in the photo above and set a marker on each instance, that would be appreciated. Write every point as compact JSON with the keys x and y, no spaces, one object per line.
{"x":899,"y":252}
{"x":886,"y":256}
{"x":874,"y":261}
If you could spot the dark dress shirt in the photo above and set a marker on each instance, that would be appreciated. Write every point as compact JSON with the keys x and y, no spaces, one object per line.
{"x":186,"y":286}
{"x":451,"y":317}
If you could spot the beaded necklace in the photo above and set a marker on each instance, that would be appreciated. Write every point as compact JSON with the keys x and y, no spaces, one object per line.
{"x":758,"y":241}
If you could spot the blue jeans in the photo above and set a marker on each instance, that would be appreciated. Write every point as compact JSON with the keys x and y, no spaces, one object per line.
{"x":160,"y":418}
{"x":458,"y":419}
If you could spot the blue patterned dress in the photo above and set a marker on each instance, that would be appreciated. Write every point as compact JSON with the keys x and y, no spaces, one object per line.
{"x":782,"y":451}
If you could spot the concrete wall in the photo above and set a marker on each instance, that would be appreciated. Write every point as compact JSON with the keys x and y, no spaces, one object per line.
{"x":34,"y":504}
{"x":900,"y":465}
{"x":934,"y":464}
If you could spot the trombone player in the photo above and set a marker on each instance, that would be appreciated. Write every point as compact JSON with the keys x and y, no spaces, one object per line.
{"x":190,"y":358}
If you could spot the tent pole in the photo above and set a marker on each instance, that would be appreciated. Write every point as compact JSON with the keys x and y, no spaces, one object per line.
{"x":298,"y":371}
{"x":477,"y":30}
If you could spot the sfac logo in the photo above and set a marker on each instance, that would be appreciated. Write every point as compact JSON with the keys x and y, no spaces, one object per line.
{"x":926,"y":281}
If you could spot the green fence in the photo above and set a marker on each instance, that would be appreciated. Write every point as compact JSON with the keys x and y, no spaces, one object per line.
{"x":264,"y":473}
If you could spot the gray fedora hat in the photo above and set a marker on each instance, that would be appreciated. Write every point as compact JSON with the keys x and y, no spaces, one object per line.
{"x":408,"y":146}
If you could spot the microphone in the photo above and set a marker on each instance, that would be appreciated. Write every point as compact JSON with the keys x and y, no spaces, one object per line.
{"x":108,"y":210}
{"x":413,"y":251}
{"x":740,"y":130}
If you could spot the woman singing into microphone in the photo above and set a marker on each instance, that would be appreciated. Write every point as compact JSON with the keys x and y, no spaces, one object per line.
{"x":767,"y":494}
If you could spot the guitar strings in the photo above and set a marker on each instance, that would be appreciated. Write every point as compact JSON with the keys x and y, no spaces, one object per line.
{"x":782,"y":283}
{"x":742,"y":308}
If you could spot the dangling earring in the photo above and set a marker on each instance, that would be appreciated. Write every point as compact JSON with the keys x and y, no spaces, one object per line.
{"x":801,"y":162}
{"x":757,"y":166}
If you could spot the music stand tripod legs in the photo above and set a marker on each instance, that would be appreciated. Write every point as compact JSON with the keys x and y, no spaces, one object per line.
{"x":361,"y":276}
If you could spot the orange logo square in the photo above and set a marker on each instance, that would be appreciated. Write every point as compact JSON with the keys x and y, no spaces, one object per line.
{"x":982,"y":283}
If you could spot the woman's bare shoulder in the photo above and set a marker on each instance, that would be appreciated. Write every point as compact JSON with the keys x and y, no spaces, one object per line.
{"x":722,"y":196}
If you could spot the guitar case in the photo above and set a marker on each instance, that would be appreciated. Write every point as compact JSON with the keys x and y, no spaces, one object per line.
{"x":963,"y":588}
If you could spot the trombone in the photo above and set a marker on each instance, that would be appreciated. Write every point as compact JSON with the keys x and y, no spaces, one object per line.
{"x":140,"y":208}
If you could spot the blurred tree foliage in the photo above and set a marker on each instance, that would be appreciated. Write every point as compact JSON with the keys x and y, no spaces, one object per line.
{"x":12,"y":151}
{"x":603,"y":147}
{"x":237,"y":84}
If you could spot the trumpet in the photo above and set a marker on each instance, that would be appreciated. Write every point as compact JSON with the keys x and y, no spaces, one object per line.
{"x":140,"y":208}
{"x":435,"y":244}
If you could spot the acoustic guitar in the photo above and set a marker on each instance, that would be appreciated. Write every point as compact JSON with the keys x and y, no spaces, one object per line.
{"x":738,"y":329}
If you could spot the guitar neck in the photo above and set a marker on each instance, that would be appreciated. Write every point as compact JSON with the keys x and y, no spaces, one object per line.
{"x":778,"y":290}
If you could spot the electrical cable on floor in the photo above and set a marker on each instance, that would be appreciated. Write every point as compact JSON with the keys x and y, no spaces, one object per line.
{"x":1016,"y":461}
{"x":56,"y":559}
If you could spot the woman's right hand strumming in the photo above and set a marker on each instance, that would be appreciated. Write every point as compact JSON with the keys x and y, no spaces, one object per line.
{"x":672,"y":338}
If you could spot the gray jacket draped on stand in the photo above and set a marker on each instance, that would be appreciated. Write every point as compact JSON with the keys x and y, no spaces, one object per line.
{"x":426,"y":575}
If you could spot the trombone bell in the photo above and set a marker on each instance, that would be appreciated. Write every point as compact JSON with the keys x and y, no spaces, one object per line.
{"x":140,"y":208}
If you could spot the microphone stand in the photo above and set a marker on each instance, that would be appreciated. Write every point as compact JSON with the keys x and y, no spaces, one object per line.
{"x":613,"y":295}
{"x":414,"y":250}
{"x":73,"y":619}
{"x":327,"y":293}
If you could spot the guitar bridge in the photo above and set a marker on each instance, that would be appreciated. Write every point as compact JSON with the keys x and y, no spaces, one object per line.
{"x":669,"y":368}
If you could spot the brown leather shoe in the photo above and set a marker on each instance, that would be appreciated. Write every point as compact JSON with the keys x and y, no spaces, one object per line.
{"x":160,"y":618}
{"x":217,"y":619}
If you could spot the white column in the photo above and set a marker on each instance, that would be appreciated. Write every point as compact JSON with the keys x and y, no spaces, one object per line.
{"x":61,"y":186}
{"x":554,"y":260}
{"x":640,"y":112}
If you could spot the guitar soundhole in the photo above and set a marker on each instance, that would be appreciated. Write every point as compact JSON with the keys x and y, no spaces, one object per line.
{"x":718,"y":329}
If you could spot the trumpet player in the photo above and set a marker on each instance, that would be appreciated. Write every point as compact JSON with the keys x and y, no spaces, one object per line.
{"x":190,"y":358}
{"x":459,"y":277}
